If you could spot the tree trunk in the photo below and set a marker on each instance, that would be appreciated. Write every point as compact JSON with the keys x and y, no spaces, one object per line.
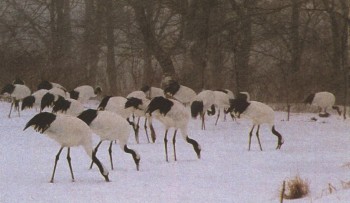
{"x":295,"y":37}
{"x":148,"y":75}
{"x":61,"y":52}
{"x":196,"y":33}
{"x":143,"y":19}
{"x":92,"y":40}
{"x":243,"y":43}
{"x":111,"y":65}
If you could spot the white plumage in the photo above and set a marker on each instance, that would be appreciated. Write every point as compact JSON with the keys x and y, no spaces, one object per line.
{"x":49,"y":85}
{"x":152,"y":92}
{"x":52,"y":96}
{"x":59,"y":92}
{"x":69,"y":132}
{"x":115,"y":104}
{"x":58,"y":86}
{"x":137,"y":103}
{"x":39,"y":95}
{"x":222,"y":103}
{"x":84,"y":93}
{"x":67,"y":106}
{"x":185,"y":95}
{"x":323,"y":100}
{"x":259,"y":113}
{"x":172,"y":114}
{"x":17,"y":92}
{"x":179,"y":92}
{"x":203,"y":101}
{"x":33,"y":100}
{"x":229,"y":93}
{"x":137,"y":94}
{"x":177,"y":117}
{"x":110,"y":126}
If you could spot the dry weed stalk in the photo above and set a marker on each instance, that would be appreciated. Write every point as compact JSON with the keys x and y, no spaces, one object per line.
{"x":296,"y":188}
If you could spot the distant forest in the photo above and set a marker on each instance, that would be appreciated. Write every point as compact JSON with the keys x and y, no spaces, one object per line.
{"x":278,"y":51}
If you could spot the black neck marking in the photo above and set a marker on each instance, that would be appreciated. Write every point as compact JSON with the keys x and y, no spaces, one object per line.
{"x":28,"y":102}
{"x":133,"y":102}
{"x":196,"y":108}
{"x":41,"y":121}
{"x":61,"y":105}
{"x":100,"y":167}
{"x":88,"y":115}
{"x":280,"y":138}
{"x":160,"y":103}
{"x":196,"y":146}
{"x":45,"y":85}
{"x":309,"y":99}
{"x":103,"y":103}
{"x":134,"y":156}
{"x":74,"y":94}
{"x":9,"y":88}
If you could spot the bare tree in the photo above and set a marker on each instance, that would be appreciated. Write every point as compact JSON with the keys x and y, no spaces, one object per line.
{"x":143,"y":16}
{"x":243,"y":38}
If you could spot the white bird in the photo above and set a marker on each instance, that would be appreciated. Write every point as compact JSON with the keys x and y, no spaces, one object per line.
{"x":152,"y":92}
{"x":49,"y":85}
{"x":323,"y":100}
{"x":16,"y":92}
{"x":137,"y":94}
{"x":34,"y":100}
{"x":179,"y":92}
{"x":137,"y":102}
{"x":222,"y":102}
{"x":110,"y":126}
{"x":203,"y":102}
{"x":228,"y":92}
{"x":68,"y":131}
{"x":259,"y":113}
{"x":115,"y":104}
{"x":51,"y":96}
{"x":172,"y":114}
{"x":138,"y":107}
{"x":67,"y":106}
{"x":84,"y":93}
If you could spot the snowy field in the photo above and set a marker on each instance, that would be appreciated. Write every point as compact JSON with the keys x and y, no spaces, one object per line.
{"x":317,"y":151}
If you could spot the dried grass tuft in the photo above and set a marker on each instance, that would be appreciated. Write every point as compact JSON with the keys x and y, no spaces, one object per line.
{"x":296,"y":188}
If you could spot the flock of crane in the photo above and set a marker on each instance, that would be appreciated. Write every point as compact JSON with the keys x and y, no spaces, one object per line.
{"x":71,"y":124}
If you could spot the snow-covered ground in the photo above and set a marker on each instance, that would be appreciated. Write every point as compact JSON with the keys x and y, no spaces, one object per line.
{"x":317,"y":151}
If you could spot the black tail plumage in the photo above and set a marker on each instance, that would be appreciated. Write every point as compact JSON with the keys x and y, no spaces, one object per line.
{"x":28,"y":102}
{"x":196,"y":108}
{"x":41,"y":121}
{"x":47,"y":101}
